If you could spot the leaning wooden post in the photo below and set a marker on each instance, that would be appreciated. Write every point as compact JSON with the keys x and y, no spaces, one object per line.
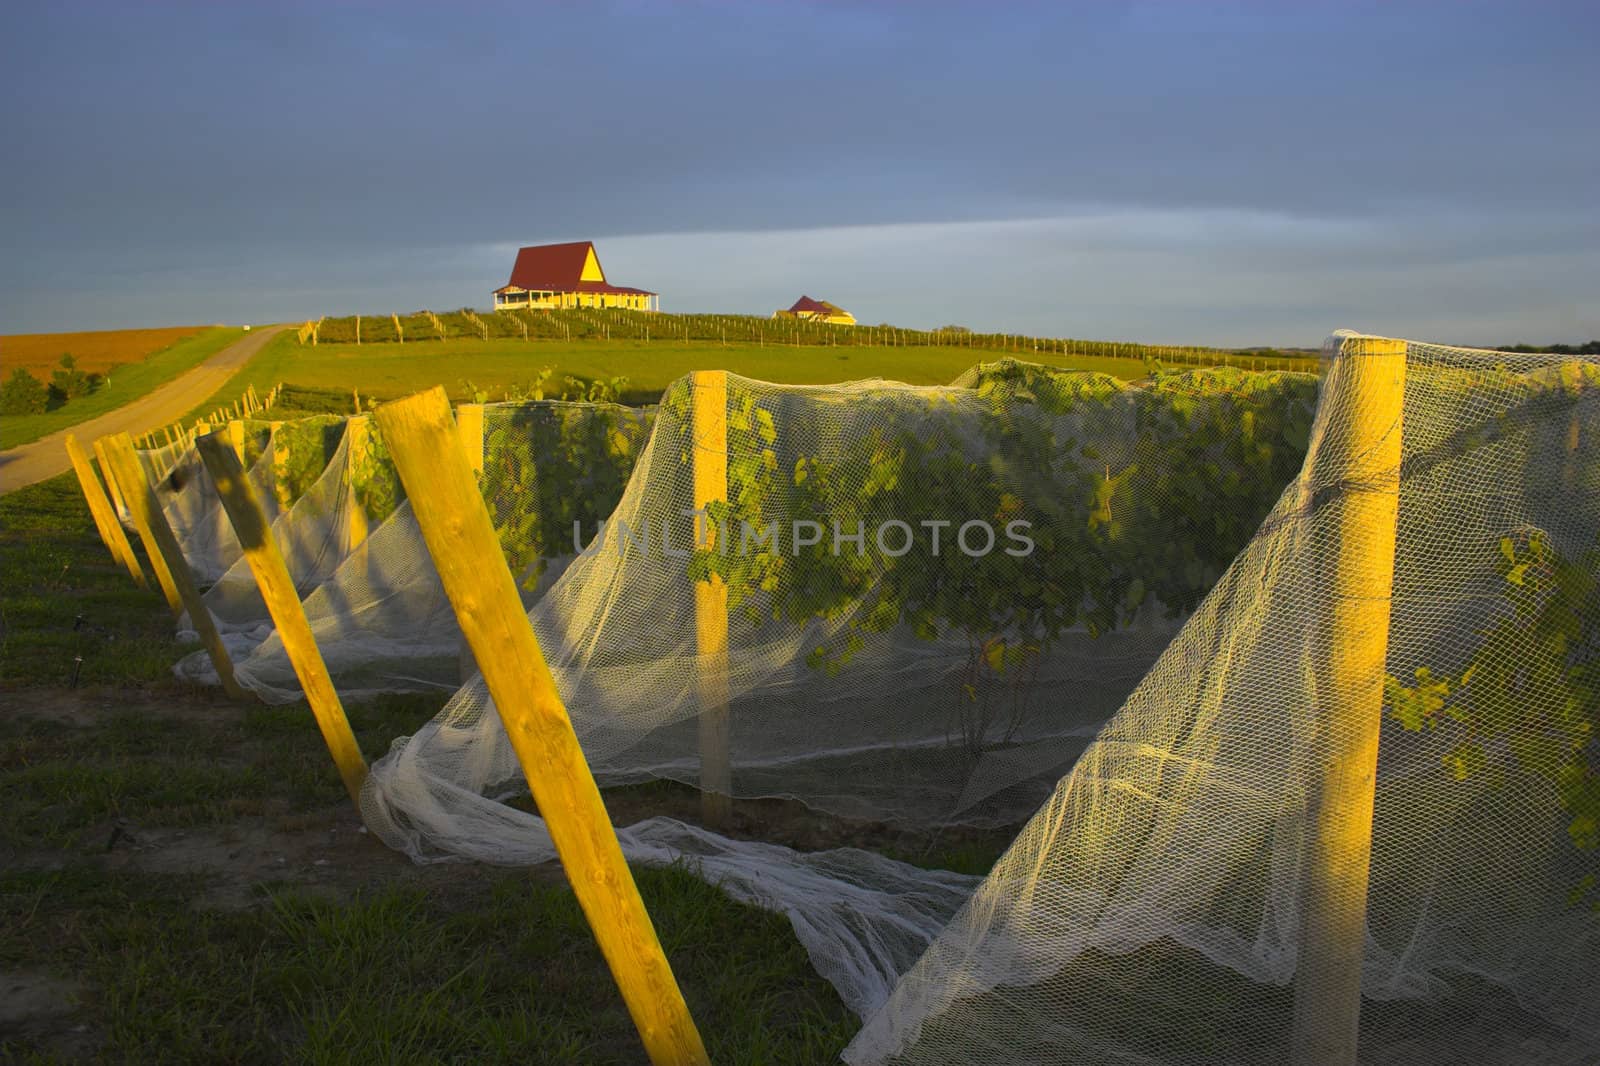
{"x":708,"y":406}
{"x":1357,"y":466}
{"x":105,"y":519}
{"x":93,"y":492}
{"x":250,"y":524}
{"x":469,"y":430}
{"x":455,"y":525}
{"x":112,"y":487}
{"x":166,"y":558}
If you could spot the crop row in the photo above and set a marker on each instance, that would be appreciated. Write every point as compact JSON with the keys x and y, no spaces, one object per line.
{"x":610,"y":324}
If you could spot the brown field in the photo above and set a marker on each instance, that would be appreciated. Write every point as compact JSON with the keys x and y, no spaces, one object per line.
{"x":40,"y":353}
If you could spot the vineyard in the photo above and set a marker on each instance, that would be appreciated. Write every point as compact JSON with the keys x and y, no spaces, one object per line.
{"x":1278,"y":688}
{"x":619,"y":325}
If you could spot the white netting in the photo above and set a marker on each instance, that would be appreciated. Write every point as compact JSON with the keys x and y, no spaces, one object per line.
{"x":189,"y":500}
{"x":381,"y":619}
{"x":907,"y":686}
{"x":315,"y":534}
{"x":1152,"y":911}
{"x":159,"y":460}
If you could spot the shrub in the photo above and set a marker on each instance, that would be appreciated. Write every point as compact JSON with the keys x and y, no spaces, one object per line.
{"x":22,"y":394}
{"x":68,"y":382}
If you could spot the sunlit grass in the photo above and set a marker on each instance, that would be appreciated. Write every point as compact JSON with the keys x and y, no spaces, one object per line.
{"x":388,"y":371}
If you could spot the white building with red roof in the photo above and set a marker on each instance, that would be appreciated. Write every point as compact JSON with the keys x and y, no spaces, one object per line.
{"x":549,"y":276}
{"x":817,"y":311}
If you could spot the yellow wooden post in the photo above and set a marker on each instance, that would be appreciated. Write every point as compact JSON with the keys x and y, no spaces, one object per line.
{"x":239,"y":500}
{"x":469,"y":428}
{"x":166,"y":558}
{"x":456,"y":527}
{"x":1571,"y":469}
{"x":236,"y":435}
{"x":105,"y":519}
{"x":111,"y":481}
{"x":93,"y":493}
{"x":708,"y":406}
{"x":358,"y":432}
{"x":280,"y":467}
{"x":1358,"y":460}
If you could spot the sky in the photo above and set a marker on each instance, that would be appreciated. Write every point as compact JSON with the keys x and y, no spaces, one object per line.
{"x":1175,"y":172}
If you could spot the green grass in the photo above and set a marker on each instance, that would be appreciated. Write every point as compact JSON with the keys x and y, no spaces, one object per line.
{"x":128,"y":383}
{"x":62,"y":597}
{"x":389,"y":371}
{"x":366,"y":959}
{"x":500,"y":968}
{"x":180,"y":758}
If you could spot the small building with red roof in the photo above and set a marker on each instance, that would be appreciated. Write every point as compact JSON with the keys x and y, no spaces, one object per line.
{"x":817,"y":311}
{"x":549,"y":276}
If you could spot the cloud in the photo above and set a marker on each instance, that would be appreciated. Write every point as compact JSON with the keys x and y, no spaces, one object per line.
{"x":1218,"y":277}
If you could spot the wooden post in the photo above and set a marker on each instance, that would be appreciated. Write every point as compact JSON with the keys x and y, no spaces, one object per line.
{"x":469,"y":428}
{"x":236,"y":435}
{"x":358,"y":432}
{"x":111,"y":483}
{"x":250,"y":524}
{"x":1358,"y":464}
{"x":280,"y":467}
{"x":105,"y":519}
{"x":166,"y":558}
{"x":456,"y":527}
{"x":708,"y":405}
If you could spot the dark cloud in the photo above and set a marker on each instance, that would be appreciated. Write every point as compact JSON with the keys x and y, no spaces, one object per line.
{"x":269,"y":145}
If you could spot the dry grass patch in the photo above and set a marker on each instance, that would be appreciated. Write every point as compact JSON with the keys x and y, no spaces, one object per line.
{"x":95,"y":352}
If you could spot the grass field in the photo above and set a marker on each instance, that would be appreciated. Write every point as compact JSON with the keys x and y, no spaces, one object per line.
{"x":388,"y":371}
{"x":138,"y":374}
{"x":183,"y":880}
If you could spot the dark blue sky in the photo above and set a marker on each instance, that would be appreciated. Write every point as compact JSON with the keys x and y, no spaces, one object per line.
{"x":1214,"y":173}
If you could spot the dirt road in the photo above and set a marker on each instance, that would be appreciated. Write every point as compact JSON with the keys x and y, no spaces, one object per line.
{"x":47,"y":457}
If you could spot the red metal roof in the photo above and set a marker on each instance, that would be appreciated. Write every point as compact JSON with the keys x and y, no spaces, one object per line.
{"x":558,"y":267}
{"x":806,"y":303}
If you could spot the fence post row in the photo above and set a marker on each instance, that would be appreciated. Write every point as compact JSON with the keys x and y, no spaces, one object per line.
{"x":250,"y":525}
{"x":455,"y":524}
{"x":1359,"y":460}
{"x":166,"y":557}
{"x":105,"y":517}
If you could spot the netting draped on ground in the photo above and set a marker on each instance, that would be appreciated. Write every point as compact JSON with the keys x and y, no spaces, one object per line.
{"x":1152,"y":910}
